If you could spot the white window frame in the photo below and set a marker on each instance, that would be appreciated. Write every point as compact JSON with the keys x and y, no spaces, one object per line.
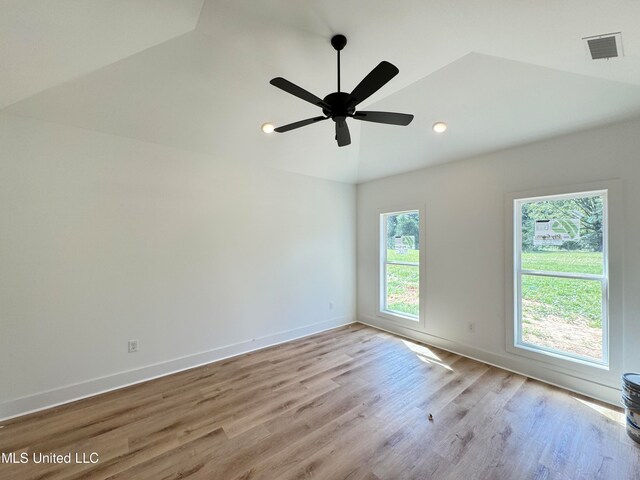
{"x":603,"y":278}
{"x":409,"y":321}
{"x":605,"y":373}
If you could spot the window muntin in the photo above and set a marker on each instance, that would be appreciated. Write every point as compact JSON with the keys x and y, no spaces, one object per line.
{"x":561,"y":281}
{"x":400,"y":264}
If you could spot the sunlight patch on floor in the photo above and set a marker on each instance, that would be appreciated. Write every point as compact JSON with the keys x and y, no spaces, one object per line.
{"x":610,"y":413}
{"x":420,"y":349}
{"x":425,"y":354}
{"x":430,"y":360}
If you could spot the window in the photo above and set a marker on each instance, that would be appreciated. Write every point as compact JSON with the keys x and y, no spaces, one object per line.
{"x":561,"y":276}
{"x":400,"y":264}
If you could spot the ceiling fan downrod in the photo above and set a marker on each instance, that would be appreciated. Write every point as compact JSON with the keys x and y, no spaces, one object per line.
{"x":338,"y":42}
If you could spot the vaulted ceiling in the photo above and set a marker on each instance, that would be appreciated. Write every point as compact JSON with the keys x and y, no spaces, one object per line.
{"x":194,"y":75}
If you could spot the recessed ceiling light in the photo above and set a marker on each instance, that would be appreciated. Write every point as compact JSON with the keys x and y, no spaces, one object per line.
{"x":268,"y":127}
{"x":439,"y":127}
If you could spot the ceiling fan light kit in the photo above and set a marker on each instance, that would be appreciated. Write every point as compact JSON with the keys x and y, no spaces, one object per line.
{"x":338,"y":106}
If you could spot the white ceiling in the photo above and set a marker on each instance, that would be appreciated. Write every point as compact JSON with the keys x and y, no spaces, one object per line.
{"x":45,"y":42}
{"x":489,"y":104}
{"x":499,"y":72}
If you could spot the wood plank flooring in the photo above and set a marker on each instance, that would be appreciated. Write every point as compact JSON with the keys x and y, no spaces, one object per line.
{"x":351,"y":403}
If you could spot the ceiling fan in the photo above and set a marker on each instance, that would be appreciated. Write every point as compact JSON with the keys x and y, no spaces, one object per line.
{"x":338,"y":106}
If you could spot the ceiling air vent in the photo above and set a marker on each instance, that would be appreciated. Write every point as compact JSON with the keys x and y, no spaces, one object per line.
{"x":604,"y":46}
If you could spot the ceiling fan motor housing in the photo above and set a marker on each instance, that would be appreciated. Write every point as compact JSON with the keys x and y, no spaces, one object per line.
{"x":339,"y":103}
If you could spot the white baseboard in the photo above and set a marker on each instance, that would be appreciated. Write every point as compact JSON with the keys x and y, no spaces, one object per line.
{"x":528,"y":368}
{"x":70,"y":393}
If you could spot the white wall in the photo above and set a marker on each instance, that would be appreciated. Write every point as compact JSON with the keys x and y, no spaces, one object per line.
{"x":105,"y":239}
{"x":465,"y":242}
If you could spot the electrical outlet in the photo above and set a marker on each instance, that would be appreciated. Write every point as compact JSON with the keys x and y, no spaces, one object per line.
{"x":472,"y":327}
{"x":133,"y":346}
{"x":330,"y":305}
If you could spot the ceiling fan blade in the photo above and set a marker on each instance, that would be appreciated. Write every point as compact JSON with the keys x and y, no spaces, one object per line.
{"x":390,"y":118}
{"x":301,"y":123}
{"x":375,"y":80}
{"x":299,"y":92}
{"x":342,"y":132}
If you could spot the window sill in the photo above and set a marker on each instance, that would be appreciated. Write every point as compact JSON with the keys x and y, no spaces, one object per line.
{"x":398,"y":317}
{"x":568,"y":364}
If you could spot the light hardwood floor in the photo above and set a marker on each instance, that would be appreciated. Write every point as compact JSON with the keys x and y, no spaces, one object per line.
{"x":351,"y":403}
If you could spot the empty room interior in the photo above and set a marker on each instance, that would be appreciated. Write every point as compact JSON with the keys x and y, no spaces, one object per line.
{"x":358,"y":239}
